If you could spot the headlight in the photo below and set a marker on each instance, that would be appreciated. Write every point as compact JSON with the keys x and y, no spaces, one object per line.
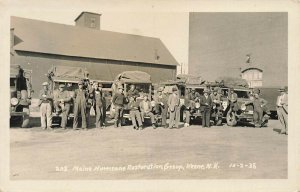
{"x":197,"y":105}
{"x":153,"y":103}
{"x":243,"y":107}
{"x":14,"y":101}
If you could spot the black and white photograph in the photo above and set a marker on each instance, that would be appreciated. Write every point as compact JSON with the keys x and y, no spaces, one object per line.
{"x":106,"y":95}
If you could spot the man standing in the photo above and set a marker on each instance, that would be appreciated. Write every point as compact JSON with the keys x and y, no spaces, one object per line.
{"x":135,"y":114}
{"x":232,"y":98}
{"x":258,"y":107}
{"x":162,"y":106}
{"x":45,"y":107}
{"x":188,"y":107}
{"x":118,"y":101}
{"x":206,"y":105}
{"x":146,"y":110}
{"x":90,"y":99}
{"x":62,"y":101}
{"x":216,"y":98}
{"x":282,"y":111}
{"x":98,"y":104}
{"x":173,"y":103}
{"x":80,"y":106}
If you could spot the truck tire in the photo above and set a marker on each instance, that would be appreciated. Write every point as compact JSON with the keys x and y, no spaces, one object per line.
{"x":231,"y":120}
{"x":25,"y":122}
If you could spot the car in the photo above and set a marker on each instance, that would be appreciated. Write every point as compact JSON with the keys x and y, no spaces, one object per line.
{"x":20,"y":99}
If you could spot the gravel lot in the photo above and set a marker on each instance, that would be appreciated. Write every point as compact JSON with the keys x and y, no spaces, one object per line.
{"x":123,"y":153}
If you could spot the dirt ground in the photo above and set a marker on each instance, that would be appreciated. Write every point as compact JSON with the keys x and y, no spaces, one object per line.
{"x":123,"y":153}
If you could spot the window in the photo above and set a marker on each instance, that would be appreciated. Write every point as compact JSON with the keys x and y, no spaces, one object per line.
{"x":93,"y":22}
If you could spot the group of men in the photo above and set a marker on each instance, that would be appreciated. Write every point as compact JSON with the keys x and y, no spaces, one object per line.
{"x":161,"y":105}
{"x":59,"y":102}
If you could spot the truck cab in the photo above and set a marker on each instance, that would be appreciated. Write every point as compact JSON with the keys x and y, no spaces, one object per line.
{"x":20,"y":95}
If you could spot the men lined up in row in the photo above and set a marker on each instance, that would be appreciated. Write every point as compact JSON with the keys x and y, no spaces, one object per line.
{"x":81,"y":99}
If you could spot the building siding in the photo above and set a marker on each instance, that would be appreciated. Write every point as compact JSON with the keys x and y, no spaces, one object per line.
{"x":100,"y":69}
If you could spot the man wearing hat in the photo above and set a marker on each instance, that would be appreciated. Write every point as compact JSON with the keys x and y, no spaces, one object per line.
{"x":45,"y":104}
{"x":80,"y":100}
{"x":162,"y":106}
{"x":258,"y":107}
{"x":216,"y":98}
{"x":282,"y":112}
{"x":206,"y":105}
{"x":99,"y":104}
{"x":61,"y":102}
{"x":173,"y":104}
{"x":118,"y":101}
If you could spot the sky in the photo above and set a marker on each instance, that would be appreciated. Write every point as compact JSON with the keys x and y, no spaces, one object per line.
{"x":170,"y":27}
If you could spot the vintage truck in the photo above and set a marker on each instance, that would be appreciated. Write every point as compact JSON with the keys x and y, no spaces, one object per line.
{"x":69,"y":76}
{"x":20,"y":95}
{"x":185,"y":83}
{"x":241,"y":88}
{"x":142,"y":82}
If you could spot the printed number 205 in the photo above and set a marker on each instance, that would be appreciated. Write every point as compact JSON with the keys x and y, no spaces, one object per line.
{"x":61,"y":168}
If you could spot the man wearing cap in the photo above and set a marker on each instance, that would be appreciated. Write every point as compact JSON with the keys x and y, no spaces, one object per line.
{"x":206,"y":105}
{"x":216,"y":98}
{"x":80,"y":100}
{"x":90,"y":100}
{"x":135,"y":114}
{"x":162,"y":106}
{"x":173,"y":104}
{"x":282,"y":111}
{"x":45,"y":104}
{"x":118,"y":101}
{"x":61,"y":102}
{"x":99,"y":102}
{"x":188,"y":107}
{"x":258,"y":107}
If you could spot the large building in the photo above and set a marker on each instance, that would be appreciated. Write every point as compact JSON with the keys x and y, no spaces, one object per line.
{"x":220,"y":42}
{"x":39,"y":45}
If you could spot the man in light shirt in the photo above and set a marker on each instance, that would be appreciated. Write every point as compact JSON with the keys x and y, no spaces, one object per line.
{"x":146,"y":110}
{"x":282,"y":109}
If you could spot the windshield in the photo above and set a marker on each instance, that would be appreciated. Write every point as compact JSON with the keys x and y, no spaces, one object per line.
{"x":240,"y":93}
{"x":12,"y":82}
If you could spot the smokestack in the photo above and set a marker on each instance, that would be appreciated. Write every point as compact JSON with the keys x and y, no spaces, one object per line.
{"x":88,"y":20}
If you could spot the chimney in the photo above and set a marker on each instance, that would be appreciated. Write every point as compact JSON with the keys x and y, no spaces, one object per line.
{"x":88,"y":20}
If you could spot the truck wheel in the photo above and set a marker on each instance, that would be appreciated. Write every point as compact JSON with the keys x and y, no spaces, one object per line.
{"x":231,"y":119}
{"x":25,"y":122}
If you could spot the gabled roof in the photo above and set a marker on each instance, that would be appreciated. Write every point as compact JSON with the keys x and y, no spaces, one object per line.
{"x":60,"y":39}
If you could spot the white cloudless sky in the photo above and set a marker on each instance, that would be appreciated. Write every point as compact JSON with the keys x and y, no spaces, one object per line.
{"x":171,"y":27}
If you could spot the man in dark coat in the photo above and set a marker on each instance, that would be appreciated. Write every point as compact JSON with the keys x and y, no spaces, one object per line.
{"x":162,"y":106}
{"x":118,"y":101}
{"x":206,"y":105}
{"x":258,"y":107}
{"x":99,"y":102}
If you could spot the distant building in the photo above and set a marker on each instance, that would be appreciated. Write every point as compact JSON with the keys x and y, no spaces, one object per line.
{"x":254,"y":76}
{"x":219,"y":41}
{"x":39,"y":45}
